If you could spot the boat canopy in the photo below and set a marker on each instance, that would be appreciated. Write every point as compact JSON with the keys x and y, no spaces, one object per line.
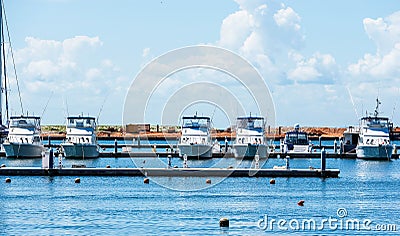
{"x":251,"y":123}
{"x":296,"y":138}
{"x":24,"y":121}
{"x":376,"y":122}
{"x":80,"y":121}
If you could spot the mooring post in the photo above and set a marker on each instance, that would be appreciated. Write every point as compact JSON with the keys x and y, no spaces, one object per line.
{"x":169,"y":161}
{"x":226,"y":145}
{"x":47,"y":159}
{"x":335,"y":146}
{"x":320,"y":142}
{"x":341,"y":150}
{"x":185,"y":161}
{"x":49,"y":140}
{"x":323,"y":162}
{"x":287,"y":162}
{"x":115,"y":147}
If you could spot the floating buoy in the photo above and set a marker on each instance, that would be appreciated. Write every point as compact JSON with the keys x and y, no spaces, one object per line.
{"x":108,"y":166}
{"x":208,"y":181}
{"x":8,"y":180}
{"x":77,"y":180}
{"x":300,"y":203}
{"x":146,"y":181}
{"x":224,"y":222}
{"x":3,"y":165}
{"x":272,"y":181}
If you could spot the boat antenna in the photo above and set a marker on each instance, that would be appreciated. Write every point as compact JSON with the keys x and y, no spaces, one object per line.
{"x":47,"y":103}
{"x":377,"y":107}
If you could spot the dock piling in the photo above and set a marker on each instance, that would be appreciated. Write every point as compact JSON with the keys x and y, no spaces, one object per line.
{"x":287,"y":162}
{"x":323,"y":162}
{"x":335,"y":146}
{"x":115,"y":147}
{"x":47,"y":159}
{"x":320,"y":141}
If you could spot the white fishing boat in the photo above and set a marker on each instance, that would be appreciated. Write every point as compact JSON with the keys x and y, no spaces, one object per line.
{"x":81,"y":140}
{"x":350,"y":139}
{"x":374,"y":141}
{"x":23,"y":140}
{"x":296,"y":141}
{"x":250,"y":139}
{"x":195,"y":141}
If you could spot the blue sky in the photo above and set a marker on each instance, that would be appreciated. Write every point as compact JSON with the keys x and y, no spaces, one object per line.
{"x":312,"y":54}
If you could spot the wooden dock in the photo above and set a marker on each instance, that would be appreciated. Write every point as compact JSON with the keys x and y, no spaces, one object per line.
{"x":170,"y":172}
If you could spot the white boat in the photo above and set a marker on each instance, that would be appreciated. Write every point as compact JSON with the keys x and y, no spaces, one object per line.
{"x":374,"y":141}
{"x":350,"y":139}
{"x":81,"y":140}
{"x":250,"y":139}
{"x":23,"y":140}
{"x":195,"y":140}
{"x":296,"y":141}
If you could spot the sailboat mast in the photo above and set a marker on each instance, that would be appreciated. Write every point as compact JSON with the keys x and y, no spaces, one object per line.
{"x":1,"y":63}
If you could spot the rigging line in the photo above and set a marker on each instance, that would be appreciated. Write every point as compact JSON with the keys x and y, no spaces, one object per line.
{"x":13,"y":60}
{"x":352,"y":101}
{"x":101,"y":108}
{"x":4,"y":66}
{"x":47,"y":103}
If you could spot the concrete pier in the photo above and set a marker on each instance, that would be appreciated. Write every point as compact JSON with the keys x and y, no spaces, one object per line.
{"x":169,"y":172}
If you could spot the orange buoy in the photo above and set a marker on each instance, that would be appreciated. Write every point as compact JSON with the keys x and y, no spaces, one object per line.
{"x":208,"y":181}
{"x":146,"y":181}
{"x":272,"y":181}
{"x":300,"y":203}
{"x":77,"y":180}
{"x":8,"y":180}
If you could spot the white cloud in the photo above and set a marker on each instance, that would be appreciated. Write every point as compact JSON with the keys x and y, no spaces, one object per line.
{"x":71,"y":67}
{"x":146,"y":52}
{"x":270,"y":36}
{"x":385,"y":63}
{"x":287,"y":17}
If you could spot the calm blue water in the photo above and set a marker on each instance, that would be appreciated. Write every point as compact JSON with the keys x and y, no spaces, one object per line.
{"x":367,"y":190}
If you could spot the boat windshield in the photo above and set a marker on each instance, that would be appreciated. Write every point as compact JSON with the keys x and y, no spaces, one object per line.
{"x":375,"y":121}
{"x":297,"y":138}
{"x":24,"y":122}
{"x":80,"y":122}
{"x":251,"y":123}
{"x":196,"y":123}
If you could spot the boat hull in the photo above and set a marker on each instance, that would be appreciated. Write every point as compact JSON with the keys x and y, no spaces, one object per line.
{"x":195,"y":150}
{"x":249,"y":150}
{"x":23,"y":150}
{"x":383,"y":152}
{"x":80,"y":150}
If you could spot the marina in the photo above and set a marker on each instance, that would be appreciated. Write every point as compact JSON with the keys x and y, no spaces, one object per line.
{"x":165,"y":170}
